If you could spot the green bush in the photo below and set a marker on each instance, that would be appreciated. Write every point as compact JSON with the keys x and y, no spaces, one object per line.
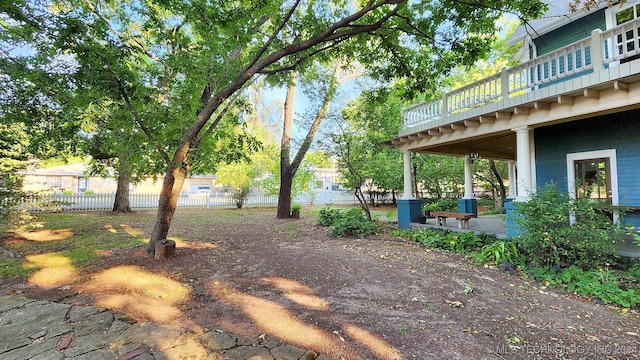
{"x":328,"y":216}
{"x":602,"y":283}
{"x":440,"y":204}
{"x":550,"y":239}
{"x":498,"y":253}
{"x":487,"y":202}
{"x":432,"y":238}
{"x":347,"y":222}
{"x":460,"y":243}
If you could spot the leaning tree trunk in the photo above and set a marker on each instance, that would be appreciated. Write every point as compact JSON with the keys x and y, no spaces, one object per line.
{"x":121,"y":203}
{"x":171,"y":187}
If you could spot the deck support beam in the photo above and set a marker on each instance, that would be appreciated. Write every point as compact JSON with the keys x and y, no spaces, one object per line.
{"x":468,"y":177}
{"x":524,"y":163}
{"x":408,"y":191}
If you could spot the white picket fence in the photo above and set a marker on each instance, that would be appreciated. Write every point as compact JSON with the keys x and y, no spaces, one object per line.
{"x":82,"y":202}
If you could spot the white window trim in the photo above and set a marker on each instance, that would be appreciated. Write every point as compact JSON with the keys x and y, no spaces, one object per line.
{"x":610,"y":12}
{"x":613,"y":168}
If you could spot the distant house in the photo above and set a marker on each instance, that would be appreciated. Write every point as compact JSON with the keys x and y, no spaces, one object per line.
{"x":568,"y":114}
{"x":74,"y":177}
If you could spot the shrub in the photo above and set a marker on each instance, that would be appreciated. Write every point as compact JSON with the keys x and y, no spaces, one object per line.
{"x":440,"y":204}
{"x":328,"y":216}
{"x":498,"y":253}
{"x":550,"y":239}
{"x":432,"y":238}
{"x":347,"y":222}
{"x":464,"y":242}
{"x":448,"y":204}
{"x":460,"y":243}
{"x":486,"y":202}
{"x":602,"y":283}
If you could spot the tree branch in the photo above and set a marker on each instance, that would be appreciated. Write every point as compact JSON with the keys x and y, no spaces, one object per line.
{"x":301,"y":59}
{"x":222,"y":113}
{"x":317,"y":121}
{"x":138,"y":119}
{"x":271,"y":39}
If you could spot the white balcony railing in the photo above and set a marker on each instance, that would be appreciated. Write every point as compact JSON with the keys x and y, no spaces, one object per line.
{"x":573,"y":60}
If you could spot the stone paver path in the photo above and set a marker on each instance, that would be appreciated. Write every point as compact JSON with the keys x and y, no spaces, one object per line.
{"x":31,"y":329}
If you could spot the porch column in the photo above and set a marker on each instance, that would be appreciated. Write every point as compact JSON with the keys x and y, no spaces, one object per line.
{"x":512,"y":180}
{"x":468,"y":177}
{"x":409,"y":208}
{"x":408,"y":193}
{"x":468,"y":204}
{"x":524,"y":163}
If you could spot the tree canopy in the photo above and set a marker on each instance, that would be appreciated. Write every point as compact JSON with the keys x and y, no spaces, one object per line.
{"x":185,"y":63}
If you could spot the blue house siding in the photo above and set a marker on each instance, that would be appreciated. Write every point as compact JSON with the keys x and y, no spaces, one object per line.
{"x":570,"y":33}
{"x":620,"y":131}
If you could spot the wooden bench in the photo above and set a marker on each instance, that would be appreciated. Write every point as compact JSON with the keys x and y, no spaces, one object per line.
{"x":463,"y":218}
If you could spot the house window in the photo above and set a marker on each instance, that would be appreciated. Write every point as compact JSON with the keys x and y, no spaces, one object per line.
{"x":628,"y":14}
{"x":593,"y":179}
{"x":54,"y":181}
{"x":594,"y":174}
{"x":625,"y":42}
{"x":82,"y":184}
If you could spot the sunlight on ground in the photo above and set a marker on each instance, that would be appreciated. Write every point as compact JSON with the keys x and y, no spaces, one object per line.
{"x":47,"y":235}
{"x":276,"y":320}
{"x":371,"y":342}
{"x":133,"y":290}
{"x":131,"y":231}
{"x":110,"y":229}
{"x":194,"y":246}
{"x":55,"y":270}
{"x":298,"y":293}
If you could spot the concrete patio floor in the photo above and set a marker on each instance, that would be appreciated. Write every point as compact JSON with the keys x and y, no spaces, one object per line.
{"x":488,"y":224}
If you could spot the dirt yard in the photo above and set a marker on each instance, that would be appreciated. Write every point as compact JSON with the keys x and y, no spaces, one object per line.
{"x":353,"y":298}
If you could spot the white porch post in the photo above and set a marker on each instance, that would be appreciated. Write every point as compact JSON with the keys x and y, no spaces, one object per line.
{"x":524,"y":163}
{"x":408,"y":192}
{"x":468,"y":177}
{"x":512,"y":180}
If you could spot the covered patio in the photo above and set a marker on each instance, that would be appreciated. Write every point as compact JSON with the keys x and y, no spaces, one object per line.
{"x":496,"y":117}
{"x":487,"y":224}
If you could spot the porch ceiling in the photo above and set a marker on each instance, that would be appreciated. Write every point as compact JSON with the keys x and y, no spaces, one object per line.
{"x":497,"y":146}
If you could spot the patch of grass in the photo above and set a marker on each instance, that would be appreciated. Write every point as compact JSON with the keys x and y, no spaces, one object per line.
{"x":13,"y":268}
{"x":81,"y":238}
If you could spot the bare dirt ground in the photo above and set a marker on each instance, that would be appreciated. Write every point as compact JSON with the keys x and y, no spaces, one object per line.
{"x":378,"y":297}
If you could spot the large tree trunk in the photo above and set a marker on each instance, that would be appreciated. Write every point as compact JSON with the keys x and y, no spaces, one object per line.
{"x":121,"y":203}
{"x":289,"y":168}
{"x":171,"y":187}
{"x":286,"y":169}
{"x":284,"y":195}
